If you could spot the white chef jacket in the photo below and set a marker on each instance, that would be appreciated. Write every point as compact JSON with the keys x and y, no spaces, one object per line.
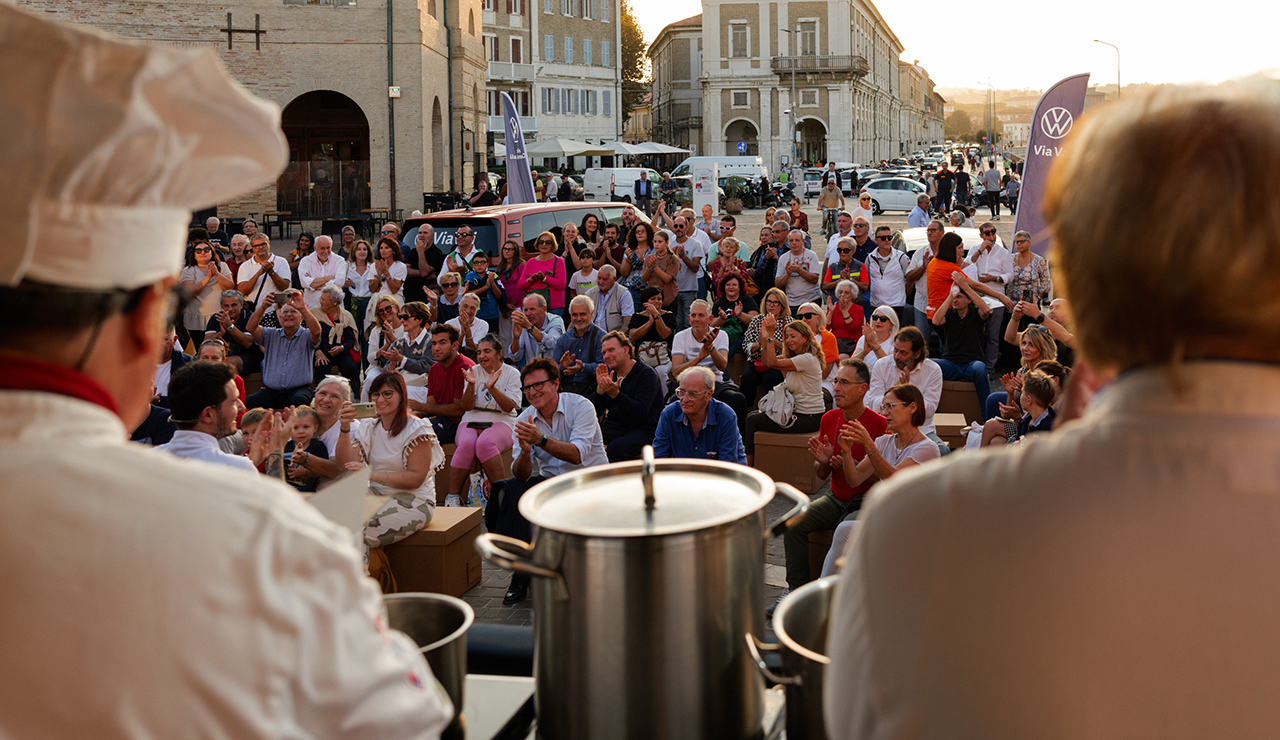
{"x":142,"y":601}
{"x":927,"y":377}
{"x":1116,"y":578}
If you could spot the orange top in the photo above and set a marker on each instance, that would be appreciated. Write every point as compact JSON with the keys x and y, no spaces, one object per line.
{"x":830,"y":352}
{"x":940,"y":282}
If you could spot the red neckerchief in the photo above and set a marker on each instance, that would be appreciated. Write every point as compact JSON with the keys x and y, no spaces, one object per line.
{"x":23,"y":374}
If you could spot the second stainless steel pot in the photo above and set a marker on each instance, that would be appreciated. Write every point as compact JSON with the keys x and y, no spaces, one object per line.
{"x":801,"y":622}
{"x":640,"y":611}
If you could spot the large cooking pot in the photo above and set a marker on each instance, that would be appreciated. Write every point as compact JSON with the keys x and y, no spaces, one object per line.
{"x":800,"y":622}
{"x":438,"y":624}
{"x":648,"y":576}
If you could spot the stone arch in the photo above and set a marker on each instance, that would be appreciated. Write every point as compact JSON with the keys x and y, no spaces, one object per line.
{"x":813,"y":139}
{"x":329,"y":156}
{"x":744,"y":130}
{"x":437,"y":147}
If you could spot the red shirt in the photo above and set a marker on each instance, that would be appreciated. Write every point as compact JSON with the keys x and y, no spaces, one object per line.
{"x":446,"y":384}
{"x":829,"y":429}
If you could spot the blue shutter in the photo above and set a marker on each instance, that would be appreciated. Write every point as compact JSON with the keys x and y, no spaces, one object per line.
{"x":586,"y":51}
{"x":604,"y":53}
{"x":548,"y":48}
{"x":568,"y":50}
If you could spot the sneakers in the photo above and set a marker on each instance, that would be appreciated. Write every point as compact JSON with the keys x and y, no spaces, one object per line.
{"x":769,"y":610}
{"x":453,"y":500}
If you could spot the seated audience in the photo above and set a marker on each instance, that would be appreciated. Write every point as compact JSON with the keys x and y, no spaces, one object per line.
{"x":383,"y":331}
{"x":628,"y":398}
{"x":614,"y":305}
{"x":450,"y":297}
{"x":876,"y":342}
{"x":471,"y":328}
{"x":800,"y":361}
{"x":845,"y":318}
{"x":1004,"y":429}
{"x":402,"y":453}
{"x":301,"y":447}
{"x":320,"y":269}
{"x":756,"y":375}
{"x":910,"y":366}
{"x":411,"y":355}
{"x":204,"y":278}
{"x":813,"y":315}
{"x":1036,"y":345}
{"x":337,"y":338}
{"x":734,"y":310}
{"x":578,"y":349}
{"x":205,"y":403}
{"x":490,"y":403}
{"x":486,"y":285}
{"x":534,"y":331}
{"x":904,"y":446}
{"x":1057,"y":320}
{"x":963,"y":317}
{"x":446,"y":382}
{"x":171,"y":359}
{"x":229,"y":325}
{"x":696,"y":425}
{"x":287,"y":353}
{"x":557,"y":434}
{"x":156,"y":429}
{"x":651,"y":330}
{"x":702,"y":344}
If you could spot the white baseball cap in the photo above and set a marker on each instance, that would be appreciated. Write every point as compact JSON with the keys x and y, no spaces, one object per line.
{"x":108,"y":147}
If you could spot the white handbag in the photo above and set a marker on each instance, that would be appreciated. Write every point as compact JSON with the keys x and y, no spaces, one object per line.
{"x":779,"y":405}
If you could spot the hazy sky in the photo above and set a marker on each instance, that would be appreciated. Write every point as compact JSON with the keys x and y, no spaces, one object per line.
{"x":1034,"y":44}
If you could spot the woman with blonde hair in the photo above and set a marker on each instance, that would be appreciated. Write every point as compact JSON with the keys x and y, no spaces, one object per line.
{"x":813,"y":315}
{"x":1036,"y":345}
{"x":800,"y":363}
{"x":384,"y":329}
{"x":756,"y":375}
{"x":544,"y":273}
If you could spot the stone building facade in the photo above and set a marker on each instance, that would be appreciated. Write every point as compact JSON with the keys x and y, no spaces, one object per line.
{"x":675,"y":56}
{"x":921,"y":115}
{"x":839,"y":56}
{"x":353,"y":143}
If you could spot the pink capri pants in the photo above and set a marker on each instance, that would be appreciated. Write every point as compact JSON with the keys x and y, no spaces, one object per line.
{"x":486,"y":444}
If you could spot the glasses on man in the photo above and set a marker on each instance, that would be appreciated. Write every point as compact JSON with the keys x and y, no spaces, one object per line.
{"x":859,"y":226}
{"x":464,"y":234}
{"x":883,"y":237}
{"x":681,"y":393}
{"x":387,"y":232}
{"x":988,"y":232}
{"x":534,"y":385}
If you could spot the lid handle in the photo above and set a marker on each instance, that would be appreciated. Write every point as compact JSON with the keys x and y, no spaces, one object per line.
{"x":646,"y":476}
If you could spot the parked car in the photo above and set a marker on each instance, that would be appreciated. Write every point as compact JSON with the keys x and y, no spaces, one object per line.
{"x":910,"y":240}
{"x":495,"y":224}
{"x":893,"y":194}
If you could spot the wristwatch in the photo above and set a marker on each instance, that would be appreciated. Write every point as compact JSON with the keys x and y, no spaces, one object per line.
{"x":543,"y":442}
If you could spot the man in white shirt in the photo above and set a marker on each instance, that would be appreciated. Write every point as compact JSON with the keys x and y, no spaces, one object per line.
{"x":320,"y":268}
{"x":994,"y":267}
{"x":687,"y":245}
{"x":911,"y":364}
{"x":797,"y":272}
{"x":264,"y":274}
{"x":706,"y":346}
{"x":886,"y":275}
{"x":204,"y":402}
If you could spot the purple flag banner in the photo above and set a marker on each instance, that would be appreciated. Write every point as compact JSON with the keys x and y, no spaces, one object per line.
{"x":519,"y":176}
{"x":1055,"y":116}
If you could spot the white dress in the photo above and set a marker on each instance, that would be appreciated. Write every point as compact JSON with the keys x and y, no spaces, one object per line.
{"x":409,"y":510}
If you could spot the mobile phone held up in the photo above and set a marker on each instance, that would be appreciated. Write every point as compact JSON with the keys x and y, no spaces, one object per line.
{"x":365,"y":411}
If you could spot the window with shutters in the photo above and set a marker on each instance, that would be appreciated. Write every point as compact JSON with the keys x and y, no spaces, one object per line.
{"x":586,"y":51}
{"x":548,"y":6}
{"x":740,"y":98}
{"x":808,"y":38}
{"x":488,"y":5}
{"x":491,"y":47}
{"x":568,"y":50}
{"x":546,"y":100}
{"x":608,"y":102}
{"x":548,"y":48}
{"x":587,"y":12}
{"x":515,"y":7}
{"x":604,"y":52}
{"x":566,"y":7}
{"x":739,"y":39}
{"x":517,"y":50}
{"x":604,"y":10}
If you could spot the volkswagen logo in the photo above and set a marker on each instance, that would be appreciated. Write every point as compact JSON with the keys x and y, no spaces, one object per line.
{"x":1056,"y":122}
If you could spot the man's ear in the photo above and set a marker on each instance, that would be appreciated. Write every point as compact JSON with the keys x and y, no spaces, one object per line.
{"x":146,"y":326}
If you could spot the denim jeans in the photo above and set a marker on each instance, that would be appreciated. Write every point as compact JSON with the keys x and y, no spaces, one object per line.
{"x":975,"y":372}
{"x":684,"y":299}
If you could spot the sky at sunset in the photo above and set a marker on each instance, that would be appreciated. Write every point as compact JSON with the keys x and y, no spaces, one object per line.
{"x":1034,"y":44}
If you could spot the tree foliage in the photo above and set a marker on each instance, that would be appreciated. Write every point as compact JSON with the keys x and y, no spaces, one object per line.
{"x":958,"y":124}
{"x":632,"y":58}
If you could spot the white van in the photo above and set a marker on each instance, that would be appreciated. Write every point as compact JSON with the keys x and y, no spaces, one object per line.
{"x":749,"y":167}
{"x":600,"y":183}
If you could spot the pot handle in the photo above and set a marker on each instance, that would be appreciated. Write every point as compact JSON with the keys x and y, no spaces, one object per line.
{"x":791,"y":518}
{"x":755,"y":647}
{"x":512,"y":554}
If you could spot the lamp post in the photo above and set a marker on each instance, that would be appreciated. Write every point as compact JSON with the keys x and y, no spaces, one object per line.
{"x":1117,"y":48}
{"x":794,"y":61}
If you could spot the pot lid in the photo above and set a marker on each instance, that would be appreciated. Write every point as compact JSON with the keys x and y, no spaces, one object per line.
{"x":609,"y":500}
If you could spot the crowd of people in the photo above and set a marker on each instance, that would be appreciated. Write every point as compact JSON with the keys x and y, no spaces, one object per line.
{"x":599,"y":340}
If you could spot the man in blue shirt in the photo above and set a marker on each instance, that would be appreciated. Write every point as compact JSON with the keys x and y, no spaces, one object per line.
{"x":698,"y":426}
{"x":578,"y":349}
{"x":288,"y":353}
{"x":919,"y":217}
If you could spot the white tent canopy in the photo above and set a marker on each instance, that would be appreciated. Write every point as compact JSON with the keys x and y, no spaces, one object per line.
{"x":652,"y":147}
{"x":622,"y":147}
{"x":568,"y":148}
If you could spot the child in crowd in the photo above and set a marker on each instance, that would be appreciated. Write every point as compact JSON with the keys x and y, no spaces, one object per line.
{"x":450,"y":294}
{"x":585,"y":278}
{"x":255,"y":448}
{"x":306,"y":423}
{"x":487,"y":287}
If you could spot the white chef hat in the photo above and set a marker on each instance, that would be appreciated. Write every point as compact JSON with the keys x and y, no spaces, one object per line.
{"x":106,"y":146}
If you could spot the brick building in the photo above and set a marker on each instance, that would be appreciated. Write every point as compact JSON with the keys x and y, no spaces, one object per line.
{"x":353,"y":143}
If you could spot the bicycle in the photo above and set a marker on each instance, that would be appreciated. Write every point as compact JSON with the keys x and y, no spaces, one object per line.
{"x":829,"y":221}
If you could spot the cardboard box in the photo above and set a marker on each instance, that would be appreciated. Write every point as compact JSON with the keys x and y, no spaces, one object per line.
{"x":949,"y":426}
{"x":960,"y":397}
{"x":442,"y":558}
{"x":786,"y":459}
{"x":443,"y":475}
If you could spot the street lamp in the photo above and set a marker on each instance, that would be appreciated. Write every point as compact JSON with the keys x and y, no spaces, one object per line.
{"x":1117,"y":48}
{"x":794,"y":61}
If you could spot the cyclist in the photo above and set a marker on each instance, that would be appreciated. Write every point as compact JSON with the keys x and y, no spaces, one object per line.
{"x":831,"y":201}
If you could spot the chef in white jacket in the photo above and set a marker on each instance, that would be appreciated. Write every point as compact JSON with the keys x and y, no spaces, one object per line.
{"x":143,"y":596}
{"x":1120,"y":576}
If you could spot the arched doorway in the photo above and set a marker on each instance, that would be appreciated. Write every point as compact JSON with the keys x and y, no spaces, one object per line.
{"x":328,"y":172}
{"x":437,"y":148}
{"x":813,"y":141}
{"x":744,"y":132}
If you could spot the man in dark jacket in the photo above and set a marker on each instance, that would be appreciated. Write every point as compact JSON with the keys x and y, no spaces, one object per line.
{"x":629,"y":397}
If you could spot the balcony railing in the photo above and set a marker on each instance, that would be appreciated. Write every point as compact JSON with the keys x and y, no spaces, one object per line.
{"x":831,"y":64}
{"x":510,"y":71}
{"x":528,"y":124}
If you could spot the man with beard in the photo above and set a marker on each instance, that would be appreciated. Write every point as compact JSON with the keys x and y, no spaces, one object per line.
{"x":204,"y":403}
{"x":911,"y":366}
